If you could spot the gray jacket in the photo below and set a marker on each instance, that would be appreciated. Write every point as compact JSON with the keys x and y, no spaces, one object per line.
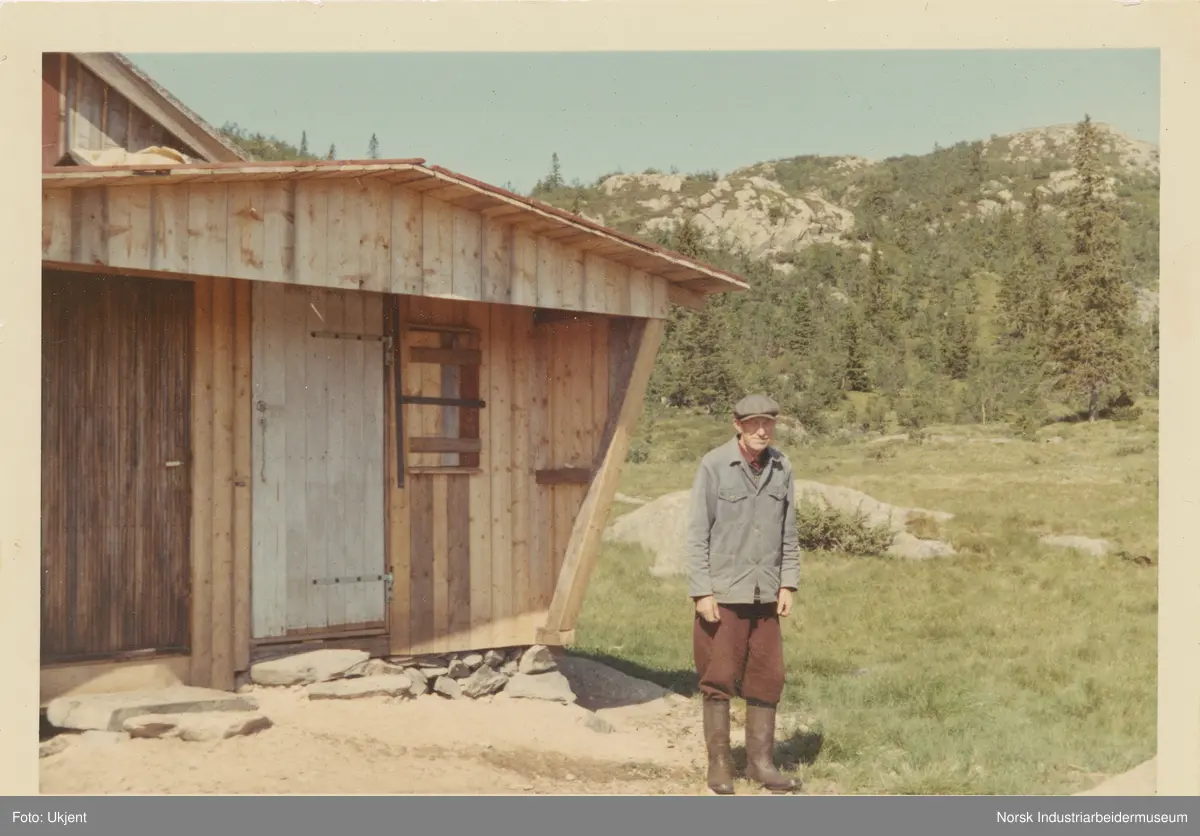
{"x":741,"y":537}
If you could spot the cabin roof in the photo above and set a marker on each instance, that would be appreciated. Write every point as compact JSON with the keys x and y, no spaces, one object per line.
{"x":452,"y":187}
{"x":134,"y":84}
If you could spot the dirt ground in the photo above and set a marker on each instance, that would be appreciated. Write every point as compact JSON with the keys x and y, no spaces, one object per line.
{"x":613,"y":742}
{"x":622,"y":737}
{"x":428,"y":745}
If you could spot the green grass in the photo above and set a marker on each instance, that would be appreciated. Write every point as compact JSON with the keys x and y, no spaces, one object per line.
{"x":1009,"y":668}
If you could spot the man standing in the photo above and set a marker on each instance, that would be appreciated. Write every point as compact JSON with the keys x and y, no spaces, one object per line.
{"x":743,"y":566}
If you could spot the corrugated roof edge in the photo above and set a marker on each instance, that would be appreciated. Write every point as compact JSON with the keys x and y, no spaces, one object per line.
{"x":435,"y":170}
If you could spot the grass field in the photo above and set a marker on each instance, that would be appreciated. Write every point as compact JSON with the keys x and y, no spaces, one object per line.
{"x":1012,"y":667}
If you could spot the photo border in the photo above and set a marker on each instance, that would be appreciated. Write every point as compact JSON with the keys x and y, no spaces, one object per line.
{"x":29,"y":28}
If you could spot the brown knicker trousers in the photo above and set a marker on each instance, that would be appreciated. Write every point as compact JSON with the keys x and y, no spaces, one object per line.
{"x":746,"y":645}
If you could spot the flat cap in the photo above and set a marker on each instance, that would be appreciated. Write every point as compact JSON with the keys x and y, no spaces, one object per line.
{"x":753,"y":406}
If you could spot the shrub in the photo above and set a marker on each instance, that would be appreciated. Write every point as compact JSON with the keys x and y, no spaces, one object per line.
{"x":1027,"y":424}
{"x":1126,"y":413}
{"x":882,"y":452}
{"x":639,"y":451}
{"x":824,"y":528}
{"x":923,"y":526}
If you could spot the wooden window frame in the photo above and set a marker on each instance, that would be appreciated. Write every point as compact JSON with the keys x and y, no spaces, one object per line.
{"x":460,"y":354}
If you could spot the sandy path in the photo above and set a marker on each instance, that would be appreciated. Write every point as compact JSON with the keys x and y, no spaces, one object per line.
{"x":422,"y":746}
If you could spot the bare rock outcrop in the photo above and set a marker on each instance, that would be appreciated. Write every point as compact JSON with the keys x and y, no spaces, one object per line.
{"x":659,"y":526}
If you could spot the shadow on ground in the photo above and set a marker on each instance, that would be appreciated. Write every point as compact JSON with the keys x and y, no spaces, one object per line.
{"x":800,"y":748}
{"x":617,"y":695}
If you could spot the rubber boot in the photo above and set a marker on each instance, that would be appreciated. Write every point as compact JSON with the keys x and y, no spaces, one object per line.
{"x":716,"y":738}
{"x":760,"y":751}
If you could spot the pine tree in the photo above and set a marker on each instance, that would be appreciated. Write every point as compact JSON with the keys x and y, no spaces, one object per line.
{"x":855,"y":377}
{"x":1091,"y":320}
{"x":332,"y":155}
{"x":799,"y":331}
{"x":304,"y":144}
{"x":373,"y":148}
{"x":960,"y":344}
{"x":880,"y":308}
{"x":707,"y":377}
{"x":555,"y":179}
{"x":686,"y":239}
{"x":976,"y":169}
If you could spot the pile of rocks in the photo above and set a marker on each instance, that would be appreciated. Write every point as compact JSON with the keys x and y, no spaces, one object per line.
{"x":519,"y":672}
{"x":180,"y":712}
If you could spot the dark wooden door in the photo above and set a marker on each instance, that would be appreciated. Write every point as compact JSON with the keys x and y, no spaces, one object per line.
{"x":116,"y":475}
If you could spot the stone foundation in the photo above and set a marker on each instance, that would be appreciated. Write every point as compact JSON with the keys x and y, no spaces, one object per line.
{"x":527,"y":672}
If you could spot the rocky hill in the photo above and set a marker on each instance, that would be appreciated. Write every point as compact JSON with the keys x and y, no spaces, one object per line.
{"x":774,"y":209}
{"x":901,"y":278}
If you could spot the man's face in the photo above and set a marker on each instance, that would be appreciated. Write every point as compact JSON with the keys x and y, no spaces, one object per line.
{"x":757,"y":432}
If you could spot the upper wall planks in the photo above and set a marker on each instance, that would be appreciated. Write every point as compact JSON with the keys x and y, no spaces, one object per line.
{"x":351,"y":234}
{"x":92,"y":116}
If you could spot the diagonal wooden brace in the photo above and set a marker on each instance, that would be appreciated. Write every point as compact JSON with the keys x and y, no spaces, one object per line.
{"x":626,"y":405}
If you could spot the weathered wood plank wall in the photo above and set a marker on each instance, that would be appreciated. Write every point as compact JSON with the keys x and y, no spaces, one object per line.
{"x":476,"y":548}
{"x":341,"y":234}
{"x":221,"y":473}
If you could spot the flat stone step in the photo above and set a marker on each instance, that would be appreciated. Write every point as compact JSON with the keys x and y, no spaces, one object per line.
{"x":306,"y":668}
{"x":397,"y":685}
{"x":198,"y":727}
{"x":108,"y":712}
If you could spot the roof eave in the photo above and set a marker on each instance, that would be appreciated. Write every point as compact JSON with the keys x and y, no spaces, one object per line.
{"x":715,"y":280}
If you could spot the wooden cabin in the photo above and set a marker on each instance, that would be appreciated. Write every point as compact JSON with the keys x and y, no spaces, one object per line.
{"x":344,"y":404}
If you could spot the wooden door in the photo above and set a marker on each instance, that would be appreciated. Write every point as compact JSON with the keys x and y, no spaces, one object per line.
{"x":116,"y":480}
{"x":318,"y":562}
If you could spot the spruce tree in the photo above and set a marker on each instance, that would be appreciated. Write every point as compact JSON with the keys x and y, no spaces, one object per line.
{"x":854,"y":377}
{"x":880,"y":307}
{"x":304,"y":144}
{"x":373,"y":148}
{"x":707,"y":377}
{"x":959,"y":344}
{"x":798,"y":339}
{"x":1091,"y":322}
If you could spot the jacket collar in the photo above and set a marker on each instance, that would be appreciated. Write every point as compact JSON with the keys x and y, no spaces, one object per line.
{"x":733,"y":455}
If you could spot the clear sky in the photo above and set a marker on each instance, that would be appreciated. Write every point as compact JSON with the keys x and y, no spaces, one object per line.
{"x":498,"y":117}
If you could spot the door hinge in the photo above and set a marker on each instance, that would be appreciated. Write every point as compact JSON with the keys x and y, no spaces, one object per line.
{"x":388,"y":586}
{"x":350,"y":579}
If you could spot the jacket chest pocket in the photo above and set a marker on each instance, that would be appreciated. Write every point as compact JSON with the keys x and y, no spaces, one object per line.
{"x":774,"y":502}
{"x":733,"y":504}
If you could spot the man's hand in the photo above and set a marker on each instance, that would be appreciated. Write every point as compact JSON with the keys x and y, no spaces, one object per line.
{"x":784,"y":606}
{"x":707,"y":607}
